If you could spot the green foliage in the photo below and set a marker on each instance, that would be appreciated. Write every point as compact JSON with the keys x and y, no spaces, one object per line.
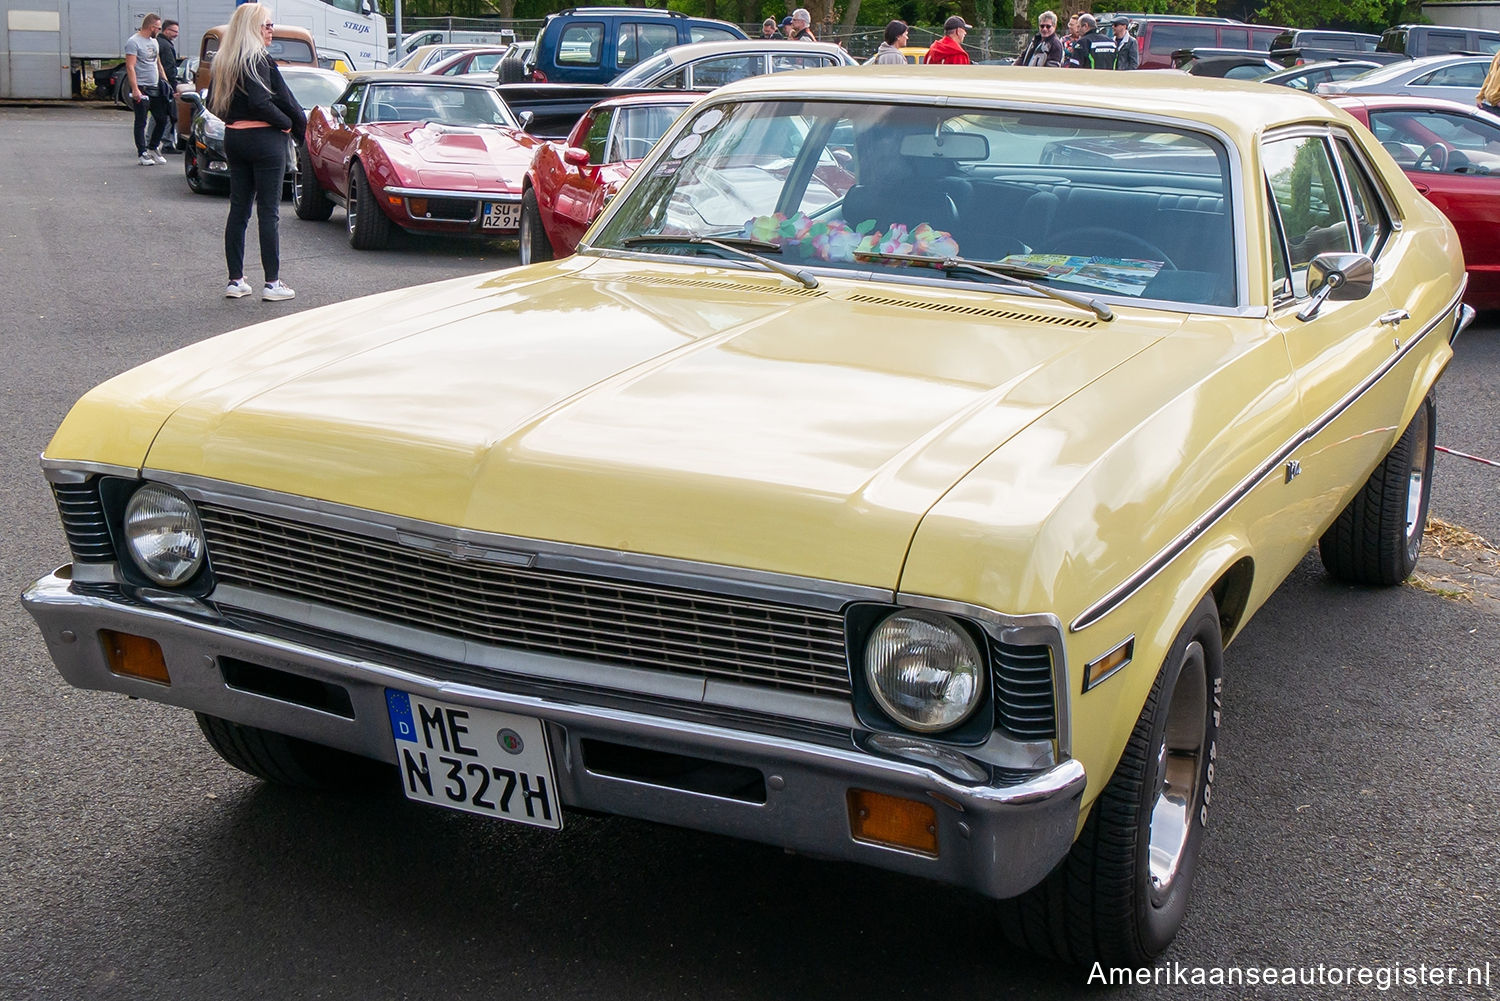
{"x":1349,"y":15}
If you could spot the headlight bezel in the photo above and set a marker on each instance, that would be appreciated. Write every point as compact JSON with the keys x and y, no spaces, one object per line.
{"x":973,"y":728}
{"x":116,"y":494}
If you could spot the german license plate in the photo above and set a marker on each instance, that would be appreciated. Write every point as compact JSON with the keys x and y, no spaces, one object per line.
{"x":473,"y":759}
{"x":502,"y":215}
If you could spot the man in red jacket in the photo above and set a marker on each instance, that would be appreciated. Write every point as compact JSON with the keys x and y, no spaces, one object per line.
{"x":950,"y":48}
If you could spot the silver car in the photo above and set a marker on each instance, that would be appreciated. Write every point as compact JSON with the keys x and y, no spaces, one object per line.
{"x":1447,"y":77}
{"x":706,"y":65}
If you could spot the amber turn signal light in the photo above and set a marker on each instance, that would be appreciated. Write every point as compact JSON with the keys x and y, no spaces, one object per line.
{"x":134,"y":656}
{"x":893,"y":821}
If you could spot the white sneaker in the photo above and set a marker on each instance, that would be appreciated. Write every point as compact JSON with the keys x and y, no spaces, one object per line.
{"x":156,"y":155}
{"x":147,"y":160}
{"x":237,"y":288}
{"x":276,"y":291}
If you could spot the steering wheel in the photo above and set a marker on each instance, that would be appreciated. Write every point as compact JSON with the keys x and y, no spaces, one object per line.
{"x":1436,"y":155}
{"x":1111,"y":239}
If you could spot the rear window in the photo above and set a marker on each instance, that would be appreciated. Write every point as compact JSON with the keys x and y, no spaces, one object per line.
{"x":708,"y":33}
{"x":580,"y":44}
{"x":642,"y":41}
{"x":292,"y":50}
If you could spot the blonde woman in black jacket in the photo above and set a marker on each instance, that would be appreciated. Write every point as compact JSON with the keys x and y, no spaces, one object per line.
{"x":259,"y":111}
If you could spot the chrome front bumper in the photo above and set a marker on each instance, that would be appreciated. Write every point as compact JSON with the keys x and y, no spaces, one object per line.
{"x":996,"y":837}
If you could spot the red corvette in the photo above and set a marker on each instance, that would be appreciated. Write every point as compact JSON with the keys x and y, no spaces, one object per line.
{"x":568,"y":182}
{"x":1451,"y":152}
{"x":429,"y":154}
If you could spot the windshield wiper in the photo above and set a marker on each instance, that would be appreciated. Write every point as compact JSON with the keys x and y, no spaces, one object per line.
{"x":1012,"y":274}
{"x":737,"y":245}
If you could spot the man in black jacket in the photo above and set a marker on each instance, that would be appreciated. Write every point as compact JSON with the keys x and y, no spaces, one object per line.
{"x":166,"y":44}
{"x":1095,"y":50}
{"x":1046,"y":49}
{"x":1127,"y":51}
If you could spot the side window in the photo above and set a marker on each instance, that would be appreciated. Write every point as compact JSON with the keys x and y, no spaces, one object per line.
{"x":711,"y":73}
{"x":781,"y":62}
{"x":580,"y":44}
{"x":642,"y":41}
{"x":1462,"y":75}
{"x":638,"y":128}
{"x":1171,"y":37}
{"x":1370,"y":222}
{"x":677,"y":81}
{"x":1281,"y":278}
{"x":706,"y":33}
{"x":1439,"y":42}
{"x":352,"y":103}
{"x":1234,"y":38}
{"x":597,"y":140}
{"x":1308,"y":201}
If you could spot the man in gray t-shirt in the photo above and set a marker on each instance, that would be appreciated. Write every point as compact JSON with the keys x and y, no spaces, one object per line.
{"x":144,"y":74}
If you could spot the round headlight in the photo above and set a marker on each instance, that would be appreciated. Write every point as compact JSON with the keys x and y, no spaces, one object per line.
{"x":163,"y":534}
{"x":924,"y":670}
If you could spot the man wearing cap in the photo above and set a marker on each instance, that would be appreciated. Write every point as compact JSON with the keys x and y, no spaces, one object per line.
{"x":1127,"y":52}
{"x":949,"y":49}
{"x":768,"y":29}
{"x":800,"y":30}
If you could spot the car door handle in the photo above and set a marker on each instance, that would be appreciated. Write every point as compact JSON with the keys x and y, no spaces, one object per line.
{"x":1394,"y":316}
{"x":1421,"y":187}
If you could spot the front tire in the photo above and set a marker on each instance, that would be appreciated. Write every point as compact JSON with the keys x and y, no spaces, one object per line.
{"x":1120,"y":895}
{"x":309,"y":200}
{"x":369,"y":229}
{"x":191,"y":169}
{"x":1376,"y":539}
{"x":275,"y":757}
{"x":534,"y":243}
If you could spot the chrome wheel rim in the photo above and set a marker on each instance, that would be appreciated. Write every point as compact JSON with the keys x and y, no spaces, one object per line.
{"x":297,"y":185}
{"x":525,"y":238}
{"x":1416,"y":480}
{"x":351,"y":208}
{"x":1179,"y":772}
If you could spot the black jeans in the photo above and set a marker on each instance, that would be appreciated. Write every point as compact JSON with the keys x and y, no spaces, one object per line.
{"x":257,"y":169}
{"x":155,"y":103}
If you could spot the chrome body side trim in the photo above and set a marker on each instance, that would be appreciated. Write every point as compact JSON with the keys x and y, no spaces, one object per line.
{"x":76,"y":471}
{"x":1000,"y":830}
{"x":458,"y":196}
{"x":1269,"y":466}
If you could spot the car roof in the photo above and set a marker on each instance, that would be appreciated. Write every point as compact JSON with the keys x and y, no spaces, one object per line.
{"x":301,"y":69}
{"x":1321,"y":64}
{"x":683,"y":97}
{"x":695,"y":50}
{"x":424,"y":79}
{"x":1162,"y":94}
{"x":1414,"y":67}
{"x":1388,"y":102}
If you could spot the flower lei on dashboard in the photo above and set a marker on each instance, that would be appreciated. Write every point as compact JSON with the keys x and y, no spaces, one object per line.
{"x":836,"y":240}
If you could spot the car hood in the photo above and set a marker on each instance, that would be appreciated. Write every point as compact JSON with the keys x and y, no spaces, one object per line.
{"x":716,"y":415}
{"x":457,"y":157}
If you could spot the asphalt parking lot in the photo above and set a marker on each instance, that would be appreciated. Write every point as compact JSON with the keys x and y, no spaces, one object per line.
{"x":1357,"y":813}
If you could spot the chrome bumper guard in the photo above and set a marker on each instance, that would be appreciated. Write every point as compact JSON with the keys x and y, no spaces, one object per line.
{"x":994,"y":837}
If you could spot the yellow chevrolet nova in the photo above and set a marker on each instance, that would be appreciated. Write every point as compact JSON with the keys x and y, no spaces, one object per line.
{"x":882,"y":479}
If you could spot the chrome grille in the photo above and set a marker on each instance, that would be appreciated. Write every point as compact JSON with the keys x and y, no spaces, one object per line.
{"x":83,"y":521}
{"x":610,"y":622}
{"x":1024,"y":703}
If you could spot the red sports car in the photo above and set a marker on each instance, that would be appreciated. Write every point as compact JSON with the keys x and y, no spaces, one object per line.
{"x":568,"y":182}
{"x":1451,"y":152}
{"x":429,"y":154}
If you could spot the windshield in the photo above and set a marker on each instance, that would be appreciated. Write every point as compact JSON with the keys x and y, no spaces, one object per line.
{"x":1093,"y":205}
{"x":313,"y":89}
{"x":427,"y":103}
{"x":642,"y":72}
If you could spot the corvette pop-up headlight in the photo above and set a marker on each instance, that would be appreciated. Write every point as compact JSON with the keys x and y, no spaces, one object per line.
{"x":213,"y":127}
{"x":163,"y":534}
{"x":924,"y":670}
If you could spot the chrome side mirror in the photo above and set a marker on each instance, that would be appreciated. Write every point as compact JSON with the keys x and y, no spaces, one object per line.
{"x":1340,"y":277}
{"x":192,"y":97}
{"x":527,"y":117}
{"x":341,"y":112}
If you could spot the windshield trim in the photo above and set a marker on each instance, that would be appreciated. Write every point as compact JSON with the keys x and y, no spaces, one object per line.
{"x":1234,"y":189}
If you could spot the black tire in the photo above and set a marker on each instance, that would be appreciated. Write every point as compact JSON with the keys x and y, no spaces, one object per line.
{"x":1376,"y":539}
{"x":1105,"y":902}
{"x":534,"y":243}
{"x":309,"y":200}
{"x":369,"y":229}
{"x":290,"y":761}
{"x":198,"y":182}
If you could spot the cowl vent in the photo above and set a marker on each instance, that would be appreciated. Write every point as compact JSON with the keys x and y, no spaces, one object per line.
{"x":956,"y":309}
{"x":723,"y":286}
